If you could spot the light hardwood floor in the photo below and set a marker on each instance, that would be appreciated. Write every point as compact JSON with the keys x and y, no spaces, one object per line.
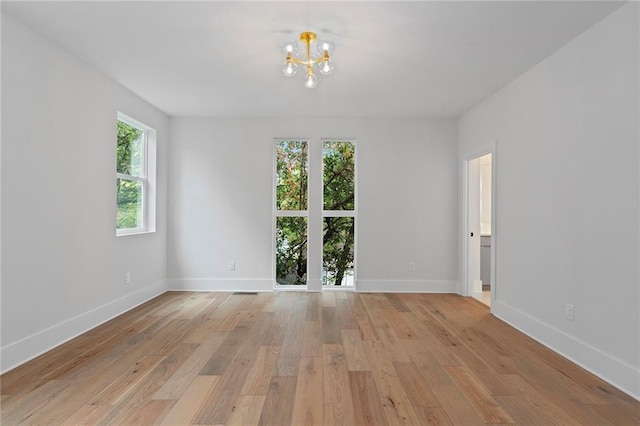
{"x":308,"y":358}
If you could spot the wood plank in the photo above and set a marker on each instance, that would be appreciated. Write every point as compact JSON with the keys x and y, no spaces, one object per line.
{"x":191,"y":401}
{"x":393,"y":345}
{"x":262,"y":370}
{"x":479,"y":395}
{"x":523,"y":412}
{"x":218,"y":362}
{"x":372,"y":303}
{"x":331,"y":334}
{"x":312,"y":339}
{"x":314,"y":306}
{"x":278,"y":406}
{"x":87,"y":415}
{"x":545,"y":406}
{"x":395,"y":403}
{"x":354,"y":351}
{"x":396,"y":301}
{"x":20,"y":408}
{"x":367,"y":409}
{"x":420,"y":393}
{"x":346,"y":318}
{"x":278,"y":328}
{"x":218,"y":405}
{"x":433,"y":416}
{"x":247,"y":410}
{"x":147,"y":413}
{"x":117,"y":390}
{"x":338,"y":406}
{"x":328,"y":299}
{"x":189,"y":370}
{"x":142,"y":391}
{"x":307,"y":407}
{"x":289,"y":360}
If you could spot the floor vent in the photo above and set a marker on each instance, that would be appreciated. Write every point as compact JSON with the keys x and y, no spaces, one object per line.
{"x":245,"y":292}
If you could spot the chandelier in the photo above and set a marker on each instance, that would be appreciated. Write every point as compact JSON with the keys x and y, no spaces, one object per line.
{"x":324,"y":61}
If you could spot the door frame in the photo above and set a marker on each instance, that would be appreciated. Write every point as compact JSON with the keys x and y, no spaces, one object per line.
{"x":467,"y":285}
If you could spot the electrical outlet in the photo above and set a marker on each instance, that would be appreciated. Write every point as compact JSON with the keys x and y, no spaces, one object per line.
{"x":232,"y":265}
{"x":412,"y":266}
{"x":568,"y":311}
{"x":127,"y":278}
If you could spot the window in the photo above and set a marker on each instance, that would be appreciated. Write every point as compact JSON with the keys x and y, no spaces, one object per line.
{"x":339,"y":212}
{"x":291,"y":212}
{"x":135,"y":177}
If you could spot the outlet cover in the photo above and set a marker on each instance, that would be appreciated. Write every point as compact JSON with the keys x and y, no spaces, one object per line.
{"x":127,"y":278}
{"x":412,"y":266}
{"x":568,"y":311}
{"x":232,"y":265}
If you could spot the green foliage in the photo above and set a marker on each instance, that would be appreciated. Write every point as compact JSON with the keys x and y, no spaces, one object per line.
{"x":338,"y":248}
{"x":129,"y":157}
{"x":129,"y":150}
{"x":339,"y":175}
{"x":291,"y":165}
{"x":129,"y":197}
{"x":291,"y":250}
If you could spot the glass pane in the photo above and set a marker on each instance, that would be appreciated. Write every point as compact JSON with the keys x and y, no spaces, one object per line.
{"x":129,"y":213}
{"x":337,"y":252}
{"x":291,"y":186}
{"x":130,"y":150}
{"x":291,"y":250}
{"x":339,"y":175}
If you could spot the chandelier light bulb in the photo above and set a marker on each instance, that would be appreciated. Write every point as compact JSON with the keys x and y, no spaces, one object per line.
{"x":289,"y":68}
{"x":326,"y":66}
{"x":289,"y":47}
{"x":325,"y":47}
{"x":311,"y":81}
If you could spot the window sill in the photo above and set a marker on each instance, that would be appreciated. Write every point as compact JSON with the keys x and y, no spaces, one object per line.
{"x":125,"y":233}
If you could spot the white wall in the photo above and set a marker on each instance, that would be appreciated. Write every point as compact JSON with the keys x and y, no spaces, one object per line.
{"x":222,"y":199}
{"x":62,"y":265}
{"x":567,"y":193}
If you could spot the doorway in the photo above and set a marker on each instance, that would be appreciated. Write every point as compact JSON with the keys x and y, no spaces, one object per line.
{"x":480,"y":227}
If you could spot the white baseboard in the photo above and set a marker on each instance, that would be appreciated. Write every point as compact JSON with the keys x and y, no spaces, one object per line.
{"x":407,"y":286}
{"x":17,"y":353}
{"x":618,"y":373}
{"x":217,"y":284}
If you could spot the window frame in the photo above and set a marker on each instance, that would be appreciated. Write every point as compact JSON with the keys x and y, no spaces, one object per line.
{"x":146,"y":178}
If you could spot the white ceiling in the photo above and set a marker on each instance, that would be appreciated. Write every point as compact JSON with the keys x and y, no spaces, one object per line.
{"x":392,"y":58}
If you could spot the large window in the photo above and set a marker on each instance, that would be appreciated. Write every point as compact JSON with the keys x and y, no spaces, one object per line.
{"x":135,"y":177}
{"x":291,"y":212}
{"x":339,"y":212}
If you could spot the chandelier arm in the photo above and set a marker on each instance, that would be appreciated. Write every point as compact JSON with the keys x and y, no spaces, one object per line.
{"x":299,"y":61}
{"x":311,"y":62}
